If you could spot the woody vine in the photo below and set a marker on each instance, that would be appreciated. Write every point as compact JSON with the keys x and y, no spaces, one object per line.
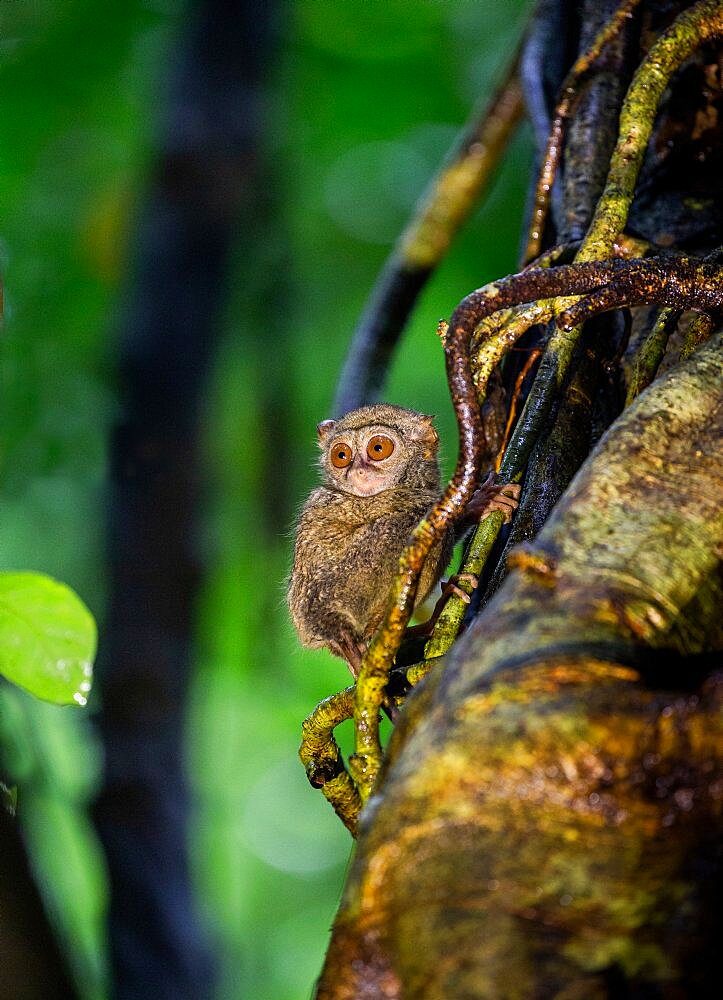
{"x":565,"y":287}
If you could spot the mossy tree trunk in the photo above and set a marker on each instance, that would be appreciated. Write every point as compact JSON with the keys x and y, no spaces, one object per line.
{"x":548,"y":818}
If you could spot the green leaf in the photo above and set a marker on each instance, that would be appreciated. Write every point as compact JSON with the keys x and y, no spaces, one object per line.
{"x":47,"y":638}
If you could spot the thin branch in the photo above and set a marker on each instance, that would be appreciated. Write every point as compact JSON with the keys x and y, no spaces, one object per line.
{"x":533,"y":358}
{"x":700,"y":330}
{"x":322,"y":759}
{"x":691,"y":29}
{"x":694,"y":27}
{"x":450,"y":619}
{"x":649,"y":354}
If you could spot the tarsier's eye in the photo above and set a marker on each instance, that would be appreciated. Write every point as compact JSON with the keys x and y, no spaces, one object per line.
{"x":341,"y":455}
{"x":380,"y":446}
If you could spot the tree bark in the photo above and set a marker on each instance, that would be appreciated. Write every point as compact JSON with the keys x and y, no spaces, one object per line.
{"x":549,"y":819}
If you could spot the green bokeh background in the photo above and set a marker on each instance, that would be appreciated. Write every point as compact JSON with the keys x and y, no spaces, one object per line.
{"x":364,"y":97}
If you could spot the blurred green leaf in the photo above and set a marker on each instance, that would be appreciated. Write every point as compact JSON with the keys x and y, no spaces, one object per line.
{"x":47,"y":638}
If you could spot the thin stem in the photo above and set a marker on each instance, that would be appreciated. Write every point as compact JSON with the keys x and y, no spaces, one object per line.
{"x":691,"y":29}
{"x":700,"y":329}
{"x":450,"y":618}
{"x":701,"y":23}
{"x":322,"y":759}
{"x":649,"y":354}
{"x":533,"y":357}
{"x":553,"y":151}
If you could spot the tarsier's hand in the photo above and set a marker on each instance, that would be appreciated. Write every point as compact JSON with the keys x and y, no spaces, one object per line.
{"x":489,"y":497}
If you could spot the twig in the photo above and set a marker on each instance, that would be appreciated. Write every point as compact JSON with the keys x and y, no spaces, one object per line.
{"x":649,"y":354}
{"x":700,"y":329}
{"x":691,"y":29}
{"x":450,"y":619}
{"x":374,"y":672}
{"x":322,"y":759}
{"x":533,"y":357}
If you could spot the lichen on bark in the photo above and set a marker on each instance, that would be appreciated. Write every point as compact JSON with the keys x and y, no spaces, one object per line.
{"x":549,"y":796}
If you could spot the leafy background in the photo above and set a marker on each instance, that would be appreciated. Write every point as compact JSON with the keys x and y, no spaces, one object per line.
{"x":362,"y":101}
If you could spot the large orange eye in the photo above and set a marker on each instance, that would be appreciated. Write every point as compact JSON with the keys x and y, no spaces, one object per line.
{"x":380,"y":446}
{"x":341,"y":455}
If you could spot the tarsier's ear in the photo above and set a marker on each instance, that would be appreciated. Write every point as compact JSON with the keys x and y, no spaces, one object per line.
{"x":428,"y":435}
{"x":323,"y":430}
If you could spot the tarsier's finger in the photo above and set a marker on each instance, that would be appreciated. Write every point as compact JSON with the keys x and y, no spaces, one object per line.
{"x":452,"y":585}
{"x":504,"y":505}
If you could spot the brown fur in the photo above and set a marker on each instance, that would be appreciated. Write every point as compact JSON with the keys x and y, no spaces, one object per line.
{"x":348,"y":546}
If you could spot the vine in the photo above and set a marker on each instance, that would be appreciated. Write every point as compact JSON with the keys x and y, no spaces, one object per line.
{"x":610,"y":271}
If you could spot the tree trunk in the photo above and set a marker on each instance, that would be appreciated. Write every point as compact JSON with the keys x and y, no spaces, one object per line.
{"x":548,"y":818}
{"x":205,"y":176}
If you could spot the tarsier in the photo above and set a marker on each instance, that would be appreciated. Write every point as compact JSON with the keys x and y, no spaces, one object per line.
{"x":381,"y":475}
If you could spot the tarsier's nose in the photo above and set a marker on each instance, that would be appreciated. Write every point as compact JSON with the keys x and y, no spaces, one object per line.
{"x":359,"y":465}
{"x":360,"y":474}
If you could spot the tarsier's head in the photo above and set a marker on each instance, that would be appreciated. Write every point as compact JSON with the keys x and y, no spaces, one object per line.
{"x":377,"y":448}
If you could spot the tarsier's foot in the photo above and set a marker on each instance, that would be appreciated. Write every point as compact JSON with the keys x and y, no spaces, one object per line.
{"x":450,"y":587}
{"x":420,"y":630}
{"x":504,"y":497}
{"x":350,"y":650}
